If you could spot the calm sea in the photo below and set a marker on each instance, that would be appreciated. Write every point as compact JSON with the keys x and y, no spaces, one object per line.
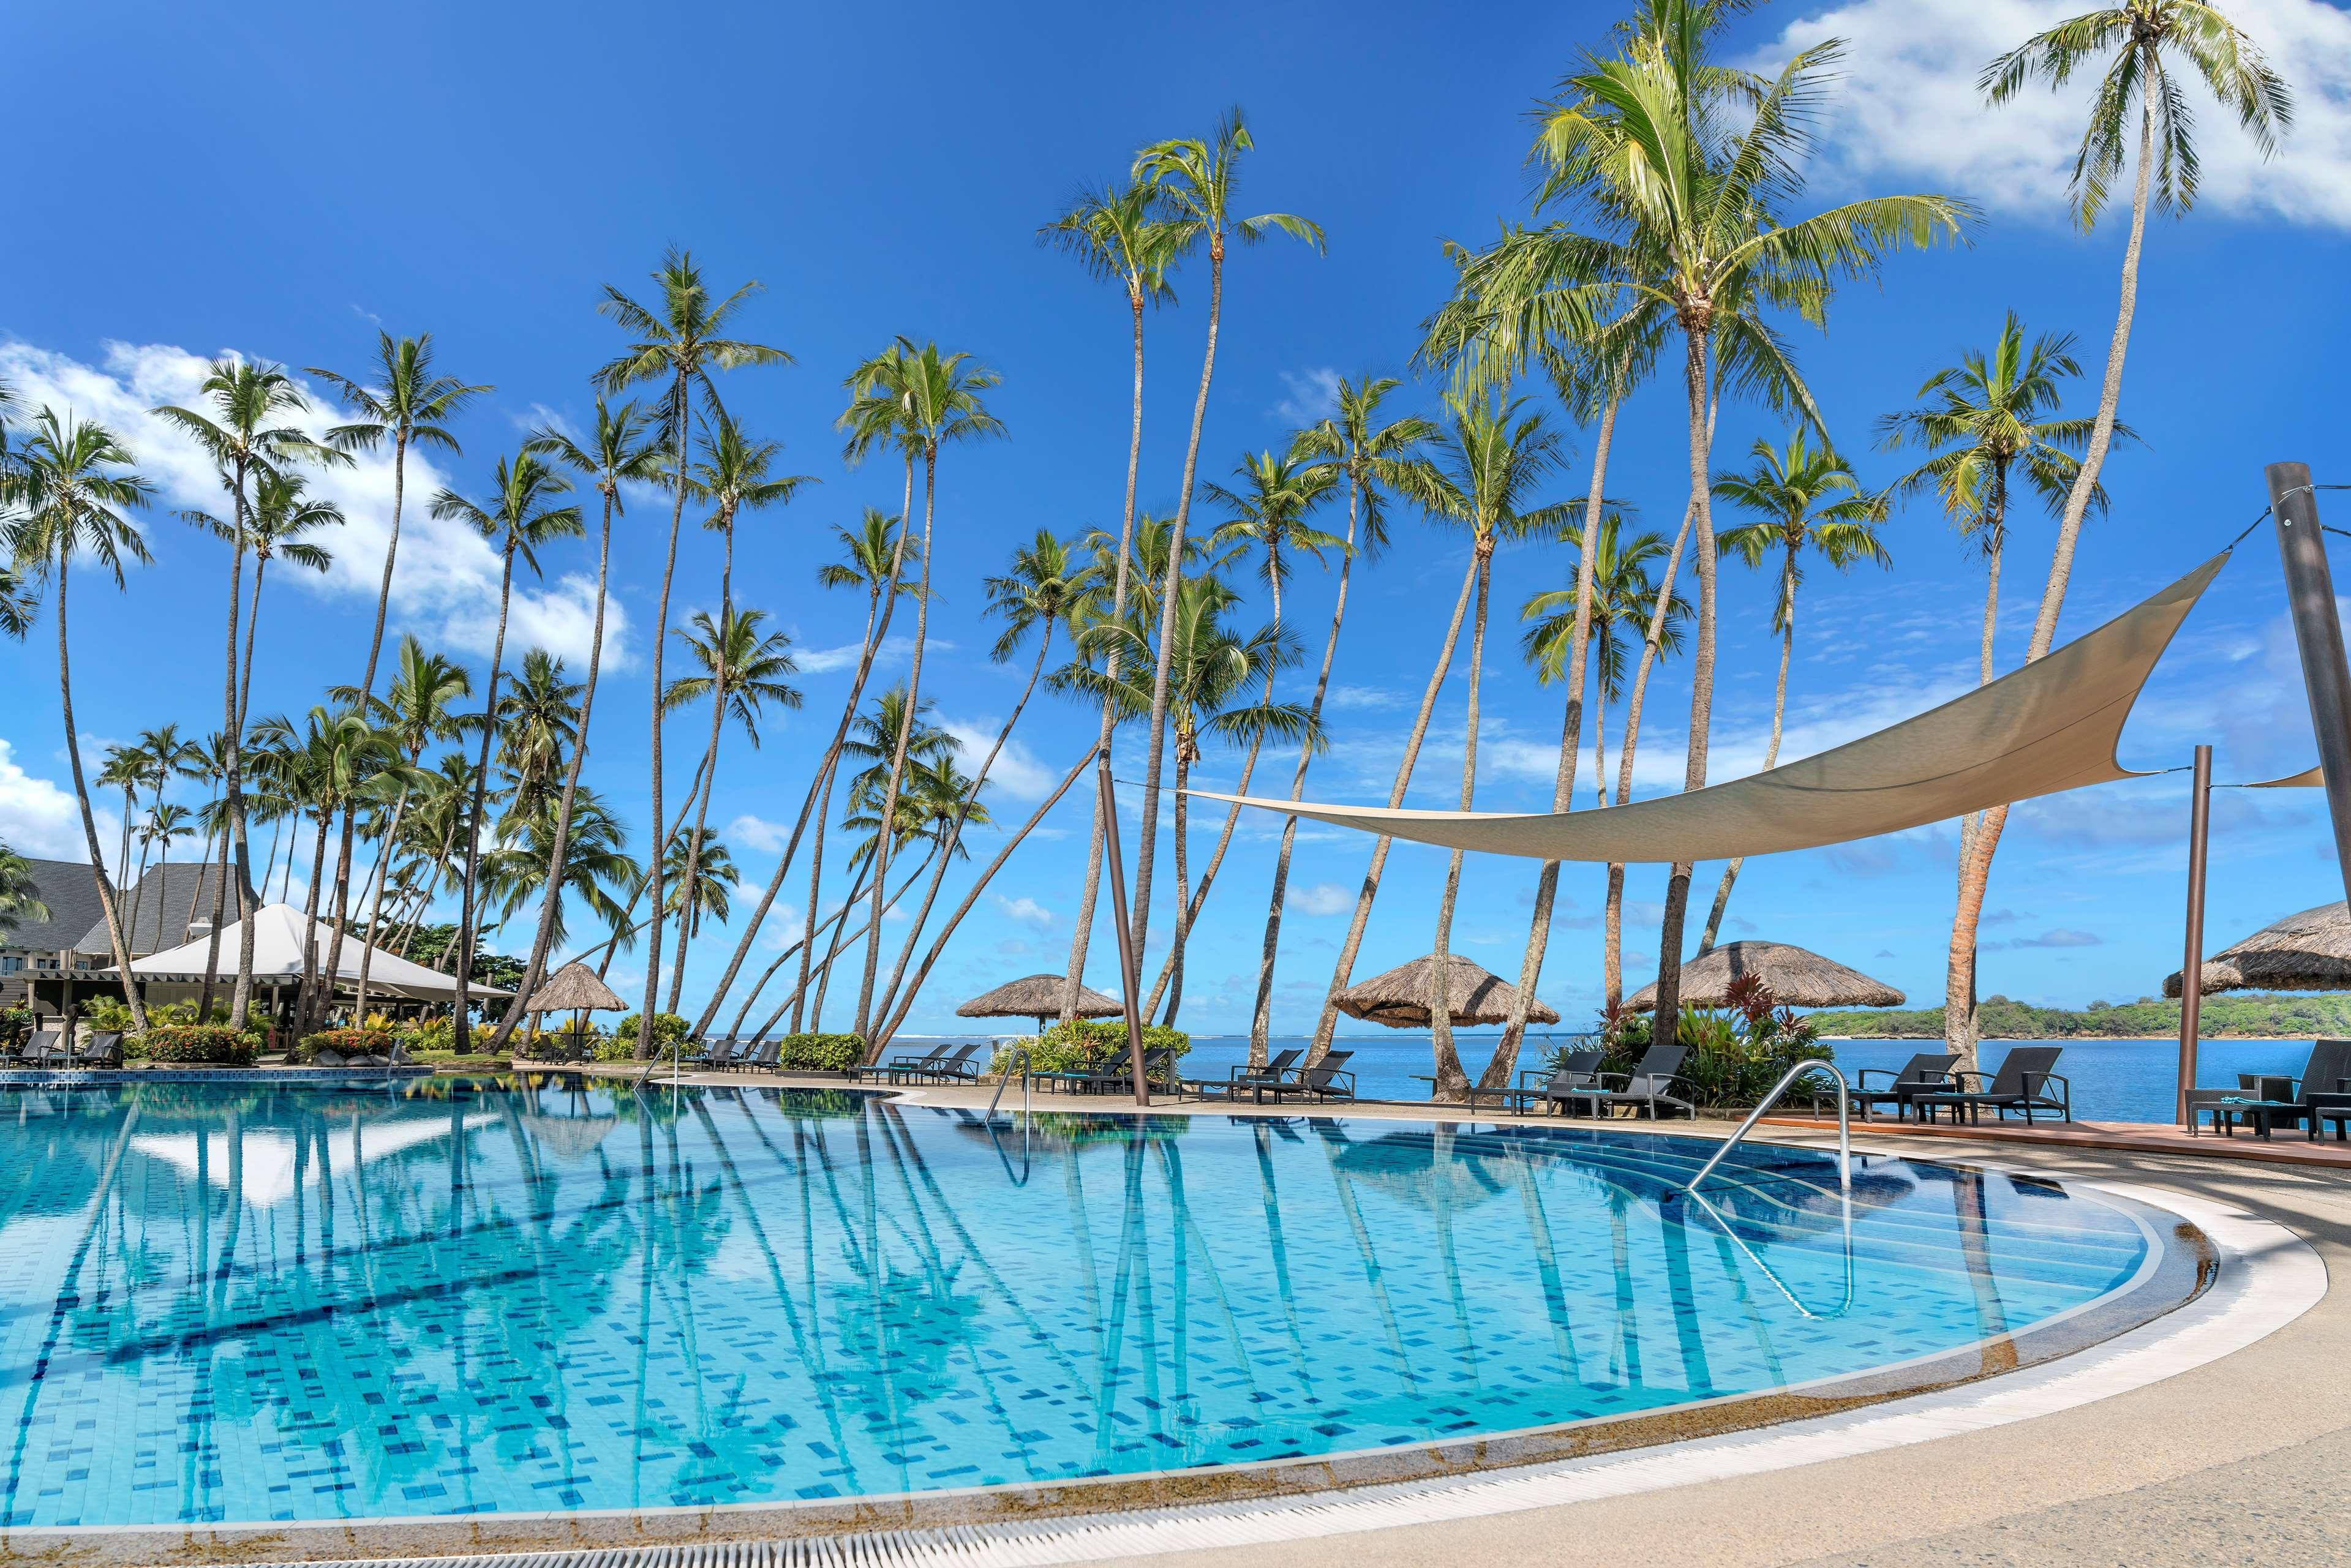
{"x":2114,"y":1080}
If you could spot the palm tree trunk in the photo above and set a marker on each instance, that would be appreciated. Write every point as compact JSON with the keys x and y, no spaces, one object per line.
{"x":1975,"y":871}
{"x":1328,"y":1023}
{"x":1771,"y":752}
{"x":701,"y":816}
{"x":1505,"y":1060}
{"x":462,"y":945}
{"x":89,"y":824}
{"x":1207,"y":880}
{"x":857,"y":886}
{"x":692,"y":789}
{"x":1694,"y":361}
{"x":391,"y":553}
{"x":1082,"y":932}
{"x":1600,"y":748}
{"x":139,"y":888}
{"x":682,"y":401}
{"x":1182,"y":889}
{"x":232,"y":792}
{"x":368,"y":935}
{"x":1451,"y":1081}
{"x":889,"y":814}
{"x":837,"y":922}
{"x":1959,"y":992}
{"x":248,"y":898}
{"x":311,"y":919}
{"x":816,"y":890}
{"x":1148,"y":826}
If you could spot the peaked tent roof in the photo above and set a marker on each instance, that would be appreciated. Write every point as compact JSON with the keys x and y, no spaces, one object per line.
{"x":2049,"y":726}
{"x":278,"y":955}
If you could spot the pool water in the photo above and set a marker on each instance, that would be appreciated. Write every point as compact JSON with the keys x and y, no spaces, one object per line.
{"x":269,"y":1302}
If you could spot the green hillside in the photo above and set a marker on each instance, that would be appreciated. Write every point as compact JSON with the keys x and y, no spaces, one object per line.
{"x":2244,"y":1018}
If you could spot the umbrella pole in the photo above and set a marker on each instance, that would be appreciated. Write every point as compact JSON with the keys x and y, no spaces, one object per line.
{"x":1128,"y":978}
{"x":2191,"y":972}
{"x":2318,"y":634}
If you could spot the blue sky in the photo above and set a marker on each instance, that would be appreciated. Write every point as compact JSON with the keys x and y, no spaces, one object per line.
{"x":276,"y":182}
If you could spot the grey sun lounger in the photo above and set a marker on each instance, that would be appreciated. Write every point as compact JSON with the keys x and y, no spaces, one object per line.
{"x":1280,"y":1068}
{"x":1077,"y":1078}
{"x":762,"y":1057}
{"x":955,"y":1067}
{"x":1647,"y":1086}
{"x":2021,"y":1083}
{"x":1928,"y":1073}
{"x":2324,"y":1085}
{"x":898,"y":1064}
{"x":718,"y":1055}
{"x":104,"y":1050}
{"x":1579,"y":1070}
{"x":1328,"y":1078}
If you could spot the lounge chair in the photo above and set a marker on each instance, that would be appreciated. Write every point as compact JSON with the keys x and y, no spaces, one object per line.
{"x":2022,"y":1084}
{"x":37,"y":1049}
{"x":1328,"y":1078}
{"x":2319,"y":1093}
{"x":1647,"y":1086}
{"x":1280,"y":1068}
{"x":715,"y":1056}
{"x":104,"y":1048}
{"x":1928,"y":1073}
{"x":898,"y":1064}
{"x":957,"y":1066}
{"x":1104,"y":1075}
{"x":1577,"y":1069}
{"x":761,"y":1058}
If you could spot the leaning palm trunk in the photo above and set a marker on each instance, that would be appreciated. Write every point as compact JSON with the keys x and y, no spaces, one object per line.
{"x":1083,"y":931}
{"x":1451,"y":1081}
{"x":1505,"y":1058}
{"x":374,"y":902}
{"x":324,"y":825}
{"x":837,"y":922}
{"x":1326,"y":1025}
{"x":1191,"y":911}
{"x":463,"y":944}
{"x":1183,"y":835}
{"x":1770,"y":751}
{"x":1959,"y":1031}
{"x":90,"y":821}
{"x":233,"y":819}
{"x":1695,"y":363}
{"x":630,"y":908}
{"x":701,"y":816}
{"x":682,"y":405}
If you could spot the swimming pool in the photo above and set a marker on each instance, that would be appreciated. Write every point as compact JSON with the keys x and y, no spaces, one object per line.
{"x":269,"y":1302}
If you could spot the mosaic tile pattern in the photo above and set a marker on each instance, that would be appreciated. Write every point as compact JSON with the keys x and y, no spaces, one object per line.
{"x":267,"y":1302}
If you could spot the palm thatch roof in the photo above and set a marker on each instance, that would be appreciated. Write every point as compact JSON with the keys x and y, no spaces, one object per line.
{"x":568,"y":1138}
{"x":1037,"y":997}
{"x":1401,"y":998}
{"x":574,"y":988}
{"x":1798,"y":978}
{"x":2306,"y":952}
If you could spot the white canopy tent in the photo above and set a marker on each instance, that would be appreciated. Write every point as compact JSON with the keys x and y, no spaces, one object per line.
{"x":277,"y":960}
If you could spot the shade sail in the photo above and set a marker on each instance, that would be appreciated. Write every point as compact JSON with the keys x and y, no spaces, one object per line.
{"x":2049,"y":726}
{"x":277,"y":957}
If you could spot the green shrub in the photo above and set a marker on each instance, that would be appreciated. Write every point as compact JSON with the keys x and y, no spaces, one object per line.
{"x":1737,"y":1053}
{"x":433,"y":1034}
{"x":622,"y":1046}
{"x":201,"y":1042}
{"x":1065,"y":1049}
{"x":348,"y":1042}
{"x":819,"y":1052}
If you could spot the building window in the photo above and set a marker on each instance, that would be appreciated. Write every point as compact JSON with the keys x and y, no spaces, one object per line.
{"x":11,"y":964}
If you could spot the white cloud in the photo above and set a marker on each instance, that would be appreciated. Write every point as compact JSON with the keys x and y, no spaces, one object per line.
{"x":1344,"y":698}
{"x":39,"y":817}
{"x":1016,"y":772}
{"x":1322,"y":898}
{"x":1312,"y":396}
{"x":1024,"y":909}
{"x":446,"y":585}
{"x":1908,"y":104}
{"x":894,"y":651}
{"x":757,"y":833}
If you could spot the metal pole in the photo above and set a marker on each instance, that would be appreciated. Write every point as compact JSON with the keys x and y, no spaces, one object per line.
{"x":2191,"y":971}
{"x":2310,"y":598}
{"x":1129,"y":980}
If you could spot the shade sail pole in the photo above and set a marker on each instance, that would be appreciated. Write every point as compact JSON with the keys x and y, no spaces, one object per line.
{"x":2318,"y":634}
{"x":2191,"y":973}
{"x":1129,"y":980}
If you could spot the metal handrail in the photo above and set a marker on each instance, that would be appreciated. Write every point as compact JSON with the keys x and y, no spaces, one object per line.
{"x":1844,"y":1123}
{"x":1004,"y":1078}
{"x":1773,"y":1274}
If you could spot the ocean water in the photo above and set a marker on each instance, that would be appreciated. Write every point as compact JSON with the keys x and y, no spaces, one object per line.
{"x":455,"y":1297}
{"x":2113,"y":1079}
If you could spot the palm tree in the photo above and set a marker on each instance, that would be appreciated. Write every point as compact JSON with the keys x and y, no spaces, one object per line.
{"x":1115,"y":235}
{"x":125,"y":769}
{"x":618,"y":452}
{"x":1195,"y":183}
{"x":518,"y":519}
{"x":743,"y":668}
{"x":919,"y":400}
{"x":162,"y":757}
{"x":1989,"y":421}
{"x":734,"y":476}
{"x":680,"y":344}
{"x":71,"y":493}
{"x":1802,"y":500}
{"x":1376,"y":460}
{"x":164,"y":823}
{"x":595,"y":861}
{"x":334,"y":764}
{"x":2147,"y":39}
{"x":20,"y":895}
{"x":1645,"y":140}
{"x":280,"y":519}
{"x":1624,"y":600}
{"x":245,"y":444}
{"x":538,"y":723}
{"x":402,"y":401}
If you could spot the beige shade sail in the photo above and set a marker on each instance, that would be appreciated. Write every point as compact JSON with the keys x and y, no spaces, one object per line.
{"x":1797,"y":976}
{"x":2049,"y":726}
{"x":1401,"y":998}
{"x":2310,"y":951}
{"x":2312,"y":778}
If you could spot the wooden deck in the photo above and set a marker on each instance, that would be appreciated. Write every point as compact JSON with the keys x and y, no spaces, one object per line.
{"x":2288,"y":1146}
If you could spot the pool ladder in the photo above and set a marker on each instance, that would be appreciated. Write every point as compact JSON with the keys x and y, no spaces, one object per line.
{"x":1844,"y":1123}
{"x":1020,"y":1053}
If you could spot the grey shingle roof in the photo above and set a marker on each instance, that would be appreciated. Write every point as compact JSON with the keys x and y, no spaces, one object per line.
{"x":158,"y":911}
{"x":70,"y":891}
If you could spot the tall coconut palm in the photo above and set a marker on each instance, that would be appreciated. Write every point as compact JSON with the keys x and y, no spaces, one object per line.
{"x":20,"y":895}
{"x":920,"y":400}
{"x":1196,"y":182}
{"x":2152,"y":48}
{"x":595,"y":862}
{"x":676,"y":344}
{"x":539,"y":727}
{"x":1804,"y":500}
{"x":618,"y":452}
{"x":72,"y":494}
{"x":743,"y":669}
{"x":735,"y":476}
{"x":519,"y":518}
{"x":125,"y":769}
{"x":1492,"y":456}
{"x":165,"y":823}
{"x":1990,"y":424}
{"x":166,"y":758}
{"x":1625,"y":599}
{"x":281,"y":521}
{"x":1377,"y":460}
{"x":242,"y":434}
{"x":1659,"y":154}
{"x":1115,"y":235}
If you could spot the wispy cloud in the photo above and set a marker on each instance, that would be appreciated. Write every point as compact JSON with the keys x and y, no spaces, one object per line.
{"x":1024,"y":909}
{"x":1322,"y":898}
{"x":1311,"y":395}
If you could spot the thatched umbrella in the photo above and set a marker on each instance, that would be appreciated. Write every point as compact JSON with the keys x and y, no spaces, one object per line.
{"x":1039,"y":997}
{"x":575,"y":989}
{"x":2306,"y":952}
{"x":1797,"y":976}
{"x":1401,"y":997}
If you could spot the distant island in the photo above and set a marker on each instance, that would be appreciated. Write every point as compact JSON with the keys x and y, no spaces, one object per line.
{"x":2149,"y":1017}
